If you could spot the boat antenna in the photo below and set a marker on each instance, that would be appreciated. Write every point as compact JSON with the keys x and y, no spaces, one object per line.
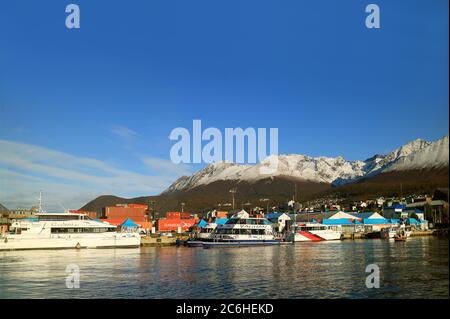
{"x":40,"y":202}
{"x":65,"y":209}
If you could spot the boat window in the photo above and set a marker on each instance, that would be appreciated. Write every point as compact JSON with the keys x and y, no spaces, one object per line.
{"x":81,"y":230}
{"x":58,"y":217}
{"x":257,"y":231}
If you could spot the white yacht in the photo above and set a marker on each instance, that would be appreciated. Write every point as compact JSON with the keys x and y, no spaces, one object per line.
{"x":65,"y":230}
{"x":242,"y":231}
{"x":312,"y":232}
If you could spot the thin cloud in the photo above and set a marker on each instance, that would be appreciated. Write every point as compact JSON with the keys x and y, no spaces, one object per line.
{"x":166,"y":166}
{"x":124,"y":132}
{"x":70,"y":180}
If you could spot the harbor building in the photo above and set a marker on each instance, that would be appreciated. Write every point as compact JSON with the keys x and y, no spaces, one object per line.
{"x":403,"y":211}
{"x":279,"y":220}
{"x":4,"y":220}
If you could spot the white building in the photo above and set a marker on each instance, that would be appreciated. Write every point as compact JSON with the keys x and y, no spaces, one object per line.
{"x":279,"y":219}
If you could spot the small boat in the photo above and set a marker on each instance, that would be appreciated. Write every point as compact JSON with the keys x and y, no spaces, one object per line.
{"x":401,"y":235}
{"x":388,"y":232}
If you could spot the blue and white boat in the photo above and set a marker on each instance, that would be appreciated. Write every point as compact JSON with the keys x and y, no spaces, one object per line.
{"x":241,"y":230}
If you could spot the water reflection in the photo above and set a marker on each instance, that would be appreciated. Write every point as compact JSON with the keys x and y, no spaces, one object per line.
{"x":415,"y":269}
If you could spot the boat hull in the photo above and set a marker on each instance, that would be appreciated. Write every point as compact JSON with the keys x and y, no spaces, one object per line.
{"x":194,"y":243}
{"x":126,"y":240}
{"x":240,"y":243}
{"x":303,"y":236}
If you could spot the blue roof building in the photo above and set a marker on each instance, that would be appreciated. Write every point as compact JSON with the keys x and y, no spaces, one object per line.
{"x":221,"y":221}
{"x":129,"y":224}
{"x":202,"y":223}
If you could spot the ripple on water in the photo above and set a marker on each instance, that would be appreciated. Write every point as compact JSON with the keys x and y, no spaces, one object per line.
{"x":415,"y":269}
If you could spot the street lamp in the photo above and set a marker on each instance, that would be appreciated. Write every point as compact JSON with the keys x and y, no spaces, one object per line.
{"x":233,"y":191}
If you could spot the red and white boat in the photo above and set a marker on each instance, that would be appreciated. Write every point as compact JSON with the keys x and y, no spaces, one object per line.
{"x":313,"y":232}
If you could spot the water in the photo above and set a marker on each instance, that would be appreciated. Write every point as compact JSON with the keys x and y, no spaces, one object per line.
{"x":416,"y":269}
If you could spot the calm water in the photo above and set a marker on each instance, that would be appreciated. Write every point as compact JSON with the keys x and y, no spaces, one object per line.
{"x":416,"y":269}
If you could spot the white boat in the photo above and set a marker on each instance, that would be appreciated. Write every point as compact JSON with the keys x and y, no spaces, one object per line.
{"x":205,"y":234}
{"x":388,"y":232}
{"x":393,"y":232}
{"x":65,"y":230}
{"x":312,"y":232}
{"x":242,"y":231}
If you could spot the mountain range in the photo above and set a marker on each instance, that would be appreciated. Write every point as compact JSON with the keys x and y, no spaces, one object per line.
{"x":418,"y":154}
{"x":417,"y":166}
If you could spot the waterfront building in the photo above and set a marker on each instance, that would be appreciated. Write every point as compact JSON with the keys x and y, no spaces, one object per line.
{"x":221,"y":221}
{"x":279,"y":220}
{"x":128,"y":226}
{"x":20,"y":213}
{"x":434,"y":210}
{"x":404,"y":211}
{"x":4,"y":220}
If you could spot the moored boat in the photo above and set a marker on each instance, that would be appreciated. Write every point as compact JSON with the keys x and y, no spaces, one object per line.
{"x":312,"y":232}
{"x":65,"y":230}
{"x":388,"y":232}
{"x":242,"y":231}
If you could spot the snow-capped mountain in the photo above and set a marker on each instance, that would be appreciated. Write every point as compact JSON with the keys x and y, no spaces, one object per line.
{"x":418,"y":154}
{"x":434,"y":155}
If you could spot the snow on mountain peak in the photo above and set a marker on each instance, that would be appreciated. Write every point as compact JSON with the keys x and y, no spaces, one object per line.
{"x":434,"y":155}
{"x":417,"y":154}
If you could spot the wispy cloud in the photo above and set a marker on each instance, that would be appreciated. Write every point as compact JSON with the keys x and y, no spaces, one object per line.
{"x":166,"y":166}
{"x":70,"y":180}
{"x":124,"y":132}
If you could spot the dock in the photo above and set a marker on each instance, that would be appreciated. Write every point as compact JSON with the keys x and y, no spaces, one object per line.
{"x":417,"y":233}
{"x":158,"y":241}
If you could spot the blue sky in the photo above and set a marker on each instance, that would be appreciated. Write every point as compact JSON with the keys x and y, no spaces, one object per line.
{"x":102,"y":100}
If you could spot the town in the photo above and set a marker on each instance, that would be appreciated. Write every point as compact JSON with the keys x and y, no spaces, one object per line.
{"x":423,"y":214}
